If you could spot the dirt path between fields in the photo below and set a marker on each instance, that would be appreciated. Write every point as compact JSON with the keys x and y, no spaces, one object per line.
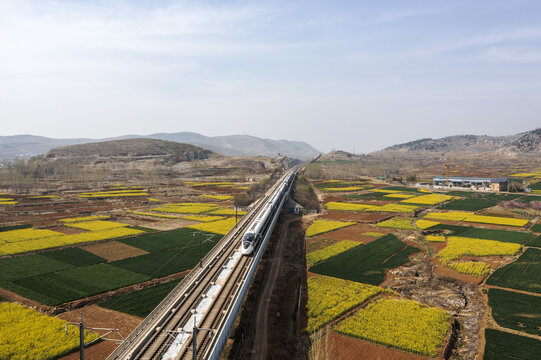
{"x":512,"y":290}
{"x":261,"y":335}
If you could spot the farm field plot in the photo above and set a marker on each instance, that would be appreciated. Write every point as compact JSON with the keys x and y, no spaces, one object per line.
{"x":67,"y":285}
{"x":166,"y":262}
{"x":221,"y":227}
{"x":84,"y":218}
{"x":469,"y":204}
{"x":330,"y":251}
{"x":397,"y":223}
{"x":52,"y":261}
{"x":186,"y":208}
{"x":65,"y":275}
{"x":455,"y":230}
{"x":499,"y":235}
{"x":218,"y":197}
{"x":114,"y":250}
{"x":165,"y":240}
{"x":503,"y":345}
{"x":461,"y":246}
{"x":475,"y":268}
{"x":203,"y":218}
{"x":27,"y":334}
{"x":536,"y":228}
{"x":535,"y":242}
{"x":227,"y":212}
{"x":367,"y":263}
{"x":429,"y":199}
{"x":328,"y":298}
{"x":470,"y":217}
{"x":34,"y":239}
{"x":522,"y":274}
{"x":96,"y":225}
{"x":403,"y":324}
{"x":140,"y":303}
{"x":515,"y":310}
{"x":395,"y":208}
{"x":323,"y":226}
{"x":529,"y":198}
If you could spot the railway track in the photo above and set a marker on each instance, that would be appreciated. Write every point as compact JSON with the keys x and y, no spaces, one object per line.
{"x":207,"y":299}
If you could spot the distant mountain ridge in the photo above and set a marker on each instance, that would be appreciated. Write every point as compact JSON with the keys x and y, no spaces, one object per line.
{"x":232,"y":145}
{"x":526,"y":143}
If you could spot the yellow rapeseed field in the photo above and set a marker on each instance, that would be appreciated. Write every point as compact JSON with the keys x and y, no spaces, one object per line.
{"x":85,"y":218}
{"x":471,"y":217}
{"x":496,"y":220}
{"x":329,"y":297}
{"x":460,"y":246}
{"x":26,"y":235}
{"x":31,"y":243}
{"x":163,"y":216}
{"x":451,"y":215}
{"x":375,"y":234}
{"x":435,"y":238}
{"x":397,"y":223}
{"x":386,"y":191}
{"x":345,"y":188}
{"x":221,"y":227}
{"x":403,"y":324}
{"x":425,"y":224}
{"x":429,"y":199}
{"x":186,"y":208}
{"x":330,"y":251}
{"x":398,"y":196}
{"x":43,"y":197}
{"x":218,"y":197}
{"x":475,"y":268}
{"x":343,"y":206}
{"x":226,"y":212}
{"x":395,"y":208}
{"x":27,"y":334}
{"x":221,"y":184}
{"x":113,"y":193}
{"x":323,"y":226}
{"x":96,"y":225}
{"x":203,"y":218}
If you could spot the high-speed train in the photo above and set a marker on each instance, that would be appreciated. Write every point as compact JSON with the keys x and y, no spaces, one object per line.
{"x":253,"y":236}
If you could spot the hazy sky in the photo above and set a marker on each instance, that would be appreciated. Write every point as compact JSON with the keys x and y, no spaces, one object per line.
{"x":352,"y":75}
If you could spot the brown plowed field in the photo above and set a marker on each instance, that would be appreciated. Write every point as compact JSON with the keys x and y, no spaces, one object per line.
{"x":114,"y":250}
{"x":95,"y":316}
{"x":342,"y":347}
{"x":352,"y":233}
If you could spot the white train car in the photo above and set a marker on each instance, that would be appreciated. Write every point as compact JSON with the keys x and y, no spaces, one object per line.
{"x":252,"y":237}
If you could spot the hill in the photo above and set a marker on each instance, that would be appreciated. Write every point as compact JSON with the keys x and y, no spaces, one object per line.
{"x":523,"y":144}
{"x":26,"y":146}
{"x":339,"y":155}
{"x":130,"y":150}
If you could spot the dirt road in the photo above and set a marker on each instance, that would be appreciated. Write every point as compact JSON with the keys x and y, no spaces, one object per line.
{"x":275,"y":262}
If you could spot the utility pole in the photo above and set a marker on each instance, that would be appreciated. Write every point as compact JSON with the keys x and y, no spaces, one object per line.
{"x":82,"y":329}
{"x":194,"y":332}
{"x":209,"y":236}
